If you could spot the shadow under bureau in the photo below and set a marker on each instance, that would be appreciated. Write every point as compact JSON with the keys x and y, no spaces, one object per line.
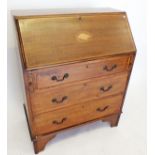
{"x":76,"y":68}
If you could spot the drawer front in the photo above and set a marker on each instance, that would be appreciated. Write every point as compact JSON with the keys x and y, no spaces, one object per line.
{"x":66,"y":95}
{"x":77,"y":114}
{"x":46,"y":78}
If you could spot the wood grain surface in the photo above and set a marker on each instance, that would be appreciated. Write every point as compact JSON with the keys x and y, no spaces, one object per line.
{"x":77,"y":114}
{"x":67,"y":95}
{"x":76,"y":69}
{"x":80,"y":71}
{"x":63,"y":39}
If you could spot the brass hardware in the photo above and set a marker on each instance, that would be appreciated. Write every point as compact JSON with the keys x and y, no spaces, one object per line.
{"x":55,"y":78}
{"x":106,"y":89}
{"x":102,"y":109}
{"x":59,"y":101}
{"x":108,"y":69}
{"x":59,"y":122}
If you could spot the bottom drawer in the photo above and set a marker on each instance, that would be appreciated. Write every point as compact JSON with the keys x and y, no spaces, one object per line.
{"x":77,"y":114}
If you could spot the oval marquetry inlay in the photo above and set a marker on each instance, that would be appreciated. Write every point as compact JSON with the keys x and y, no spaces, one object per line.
{"x":84,"y":36}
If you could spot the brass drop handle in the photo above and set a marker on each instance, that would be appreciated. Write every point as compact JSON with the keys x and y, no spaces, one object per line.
{"x":109,"y":69}
{"x":55,"y":78}
{"x":54,"y":100}
{"x":102,"y":109}
{"x":60,"y":122}
{"x":103,"y":89}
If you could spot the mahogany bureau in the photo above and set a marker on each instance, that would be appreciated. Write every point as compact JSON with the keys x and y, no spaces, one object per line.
{"x":76,"y":68}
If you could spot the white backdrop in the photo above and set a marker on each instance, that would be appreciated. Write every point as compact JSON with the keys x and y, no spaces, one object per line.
{"x":134,"y":110}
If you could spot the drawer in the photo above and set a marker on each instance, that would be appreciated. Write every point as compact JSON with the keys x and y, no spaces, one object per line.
{"x":66,"y":95}
{"x":46,"y":78}
{"x":77,"y":114}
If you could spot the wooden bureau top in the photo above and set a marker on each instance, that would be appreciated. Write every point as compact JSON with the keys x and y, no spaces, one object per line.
{"x":53,"y":39}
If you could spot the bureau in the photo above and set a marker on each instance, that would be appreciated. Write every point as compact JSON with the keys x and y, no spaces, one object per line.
{"x":76,"y":68}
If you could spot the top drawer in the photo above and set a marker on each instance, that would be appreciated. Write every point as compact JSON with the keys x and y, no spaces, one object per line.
{"x":80,"y":71}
